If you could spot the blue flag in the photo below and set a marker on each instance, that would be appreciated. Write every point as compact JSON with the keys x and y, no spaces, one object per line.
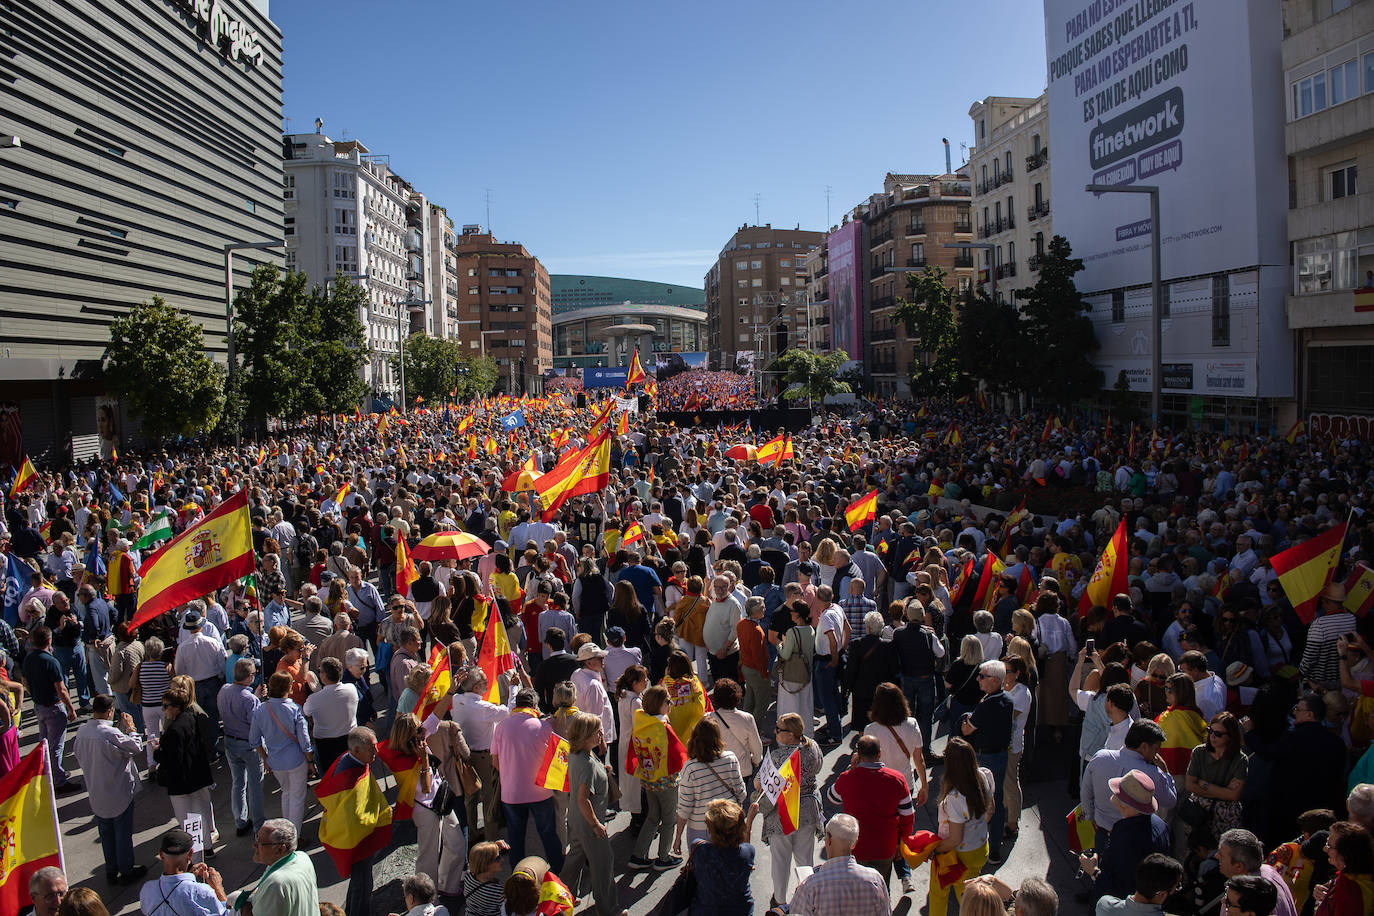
{"x":16,"y":583}
{"x":513,"y":420}
{"x":94,"y":563}
{"x":116,"y":495}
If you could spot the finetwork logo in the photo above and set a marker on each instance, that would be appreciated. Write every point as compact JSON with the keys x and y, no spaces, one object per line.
{"x":1146,"y":125}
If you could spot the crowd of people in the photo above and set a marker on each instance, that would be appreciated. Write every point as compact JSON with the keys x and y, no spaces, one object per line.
{"x":703,"y":389}
{"x":1215,"y":735}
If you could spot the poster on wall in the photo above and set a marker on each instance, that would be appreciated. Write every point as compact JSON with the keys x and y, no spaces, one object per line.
{"x":107,"y":426}
{"x":846,"y":293}
{"x":1172,"y":93}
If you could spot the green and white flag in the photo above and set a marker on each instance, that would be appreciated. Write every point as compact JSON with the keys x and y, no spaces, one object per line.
{"x":158,"y":530}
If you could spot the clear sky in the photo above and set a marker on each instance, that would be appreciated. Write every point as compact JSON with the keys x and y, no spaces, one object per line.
{"x":630,"y":138}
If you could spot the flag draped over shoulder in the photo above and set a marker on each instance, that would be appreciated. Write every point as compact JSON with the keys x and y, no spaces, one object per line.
{"x":655,"y":750}
{"x":215,"y":551}
{"x":862,"y":511}
{"x":554,"y":897}
{"x":552,"y":772}
{"x":406,"y":768}
{"x":1304,"y":569}
{"x":1111,"y":574}
{"x":440,"y":681}
{"x":28,"y":828}
{"x":357,"y":820}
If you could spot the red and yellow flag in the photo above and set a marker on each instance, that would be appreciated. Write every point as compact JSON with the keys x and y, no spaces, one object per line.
{"x":774,"y":448}
{"x":210,"y":554}
{"x":986,"y":594}
{"x":1294,"y":431}
{"x":553,"y":768}
{"x":1305,"y":569}
{"x":406,"y":768}
{"x":357,"y":819}
{"x":440,"y":680}
{"x":633,"y":532}
{"x":340,"y":496}
{"x":655,"y":750}
{"x":1110,"y":576}
{"x":862,"y":511}
{"x":494,"y":656}
{"x":961,"y":579}
{"x":789,"y":799}
{"x":23,"y":479}
{"x":28,"y":812}
{"x":584,"y":471}
{"x":1026,"y":591}
{"x":636,"y":373}
{"x":554,"y":897}
{"x":406,"y":573}
{"x":120,"y":574}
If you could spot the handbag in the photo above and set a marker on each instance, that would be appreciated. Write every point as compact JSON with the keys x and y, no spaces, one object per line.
{"x":942,"y":710}
{"x":1191,"y":811}
{"x":136,"y":694}
{"x":796,"y":668}
{"x":678,"y":900}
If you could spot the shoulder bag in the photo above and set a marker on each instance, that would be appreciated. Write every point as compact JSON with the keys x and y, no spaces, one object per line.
{"x":796,"y":668}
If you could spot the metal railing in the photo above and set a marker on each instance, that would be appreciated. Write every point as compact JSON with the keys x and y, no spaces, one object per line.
{"x":917,"y":263}
{"x":918,"y":228}
{"x":1035,"y":160}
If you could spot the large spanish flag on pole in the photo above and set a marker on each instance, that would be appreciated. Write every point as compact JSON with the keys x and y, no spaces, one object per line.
{"x":28,"y":828}
{"x":357,"y":820}
{"x":493,"y":656}
{"x":23,"y":478}
{"x":862,"y":511}
{"x":1305,"y":569}
{"x":986,"y":594}
{"x":1111,"y":574}
{"x":584,"y":471}
{"x":212,"y":553}
{"x":636,"y":373}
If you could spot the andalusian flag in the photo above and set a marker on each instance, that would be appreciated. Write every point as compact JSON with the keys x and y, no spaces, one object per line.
{"x":1111,"y":575}
{"x":862,"y":511}
{"x":553,"y":768}
{"x":494,"y":656}
{"x":636,"y":373}
{"x":406,"y":572}
{"x":22,"y":481}
{"x":406,"y":768}
{"x":584,"y":471}
{"x":633,"y":532}
{"x":215,"y":551}
{"x":1294,"y":431}
{"x":1305,"y":569}
{"x":438,"y":685}
{"x":789,"y":799}
{"x":655,"y":750}
{"x":356,"y":822}
{"x":28,"y":813}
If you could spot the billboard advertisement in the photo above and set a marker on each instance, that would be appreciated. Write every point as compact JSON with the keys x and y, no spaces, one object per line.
{"x":846,"y":289}
{"x":1174,"y":93}
{"x":605,"y":376}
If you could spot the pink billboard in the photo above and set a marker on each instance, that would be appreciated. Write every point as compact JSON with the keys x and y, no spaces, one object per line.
{"x":846,"y":291}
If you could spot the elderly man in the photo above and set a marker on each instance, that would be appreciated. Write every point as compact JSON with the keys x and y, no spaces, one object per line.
{"x":1239,"y":852}
{"x":517,"y":748}
{"x":989,"y":728}
{"x":106,"y":749}
{"x":336,"y":644}
{"x":182,"y":889}
{"x":202,"y":659}
{"x":880,"y":800}
{"x":289,"y":886}
{"x":840,"y":884}
{"x":237,"y":703}
{"x":1138,"y":833}
{"x":590,"y":681}
{"x":47,"y":887}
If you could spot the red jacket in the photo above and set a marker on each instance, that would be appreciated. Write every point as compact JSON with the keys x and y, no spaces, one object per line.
{"x":879,"y":800}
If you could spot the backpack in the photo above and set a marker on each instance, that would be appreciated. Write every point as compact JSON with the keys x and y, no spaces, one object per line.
{"x":305,"y":548}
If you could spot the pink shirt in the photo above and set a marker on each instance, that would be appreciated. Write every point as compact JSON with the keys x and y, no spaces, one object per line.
{"x":518,"y":744}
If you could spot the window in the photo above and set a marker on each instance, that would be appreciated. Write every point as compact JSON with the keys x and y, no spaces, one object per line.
{"x":755,"y":265}
{"x":474,"y":290}
{"x":1221,"y":310}
{"x":756,"y":282}
{"x":965,"y":284}
{"x":1008,"y":167}
{"x":784,"y":263}
{"x":472,"y":271}
{"x":1369,"y":72}
{"x":289,"y":183}
{"x":1166,"y":299}
{"x":343,"y":186}
{"x":290,"y":225}
{"x":918,"y":251}
{"x":1035,"y":144}
{"x":250,"y":205}
{"x":741,"y":265}
{"x":1338,"y":5}
{"x":1040,"y":244}
{"x":1344,"y":82}
{"x":1340,"y":181}
{"x":1039,"y":194}
{"x":784,"y":281}
{"x":985,"y":173}
{"x":1118,"y":306}
{"x":1309,"y":95}
{"x":764,"y":245}
{"x":1011,"y":253}
{"x":982,"y":131}
{"x":345,"y":222}
{"x":742,"y":283}
{"x":1325,"y":263}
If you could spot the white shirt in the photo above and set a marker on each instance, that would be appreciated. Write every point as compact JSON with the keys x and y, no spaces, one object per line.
{"x":740,"y":734}
{"x":1211,"y":696}
{"x":477,"y":718}
{"x":1020,"y":709}
{"x":334,"y":709}
{"x":1116,"y":734}
{"x":892,"y":754}
{"x":832,"y":619}
{"x":201,"y":657}
{"x":592,"y":698}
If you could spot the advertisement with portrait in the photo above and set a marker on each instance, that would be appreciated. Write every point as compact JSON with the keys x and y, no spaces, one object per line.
{"x":846,"y":289}
{"x":107,"y":426}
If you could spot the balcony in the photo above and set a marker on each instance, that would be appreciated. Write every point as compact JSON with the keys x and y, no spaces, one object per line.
{"x":985,"y":187}
{"x":882,"y":334}
{"x":1033,"y":262}
{"x":916,"y":228}
{"x":1036,"y":160}
{"x":916,"y":263}
{"x":1002,"y":178}
{"x":883,"y":302}
{"x":1006,"y":270}
{"x":963,"y":259}
{"x":963,"y":225}
{"x":452,"y":313}
{"x":876,"y":271}
{"x":880,"y":239}
{"x":1038,"y":209}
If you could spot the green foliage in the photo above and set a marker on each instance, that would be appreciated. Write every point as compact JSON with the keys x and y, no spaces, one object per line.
{"x":1055,"y":323}
{"x":992,"y":346}
{"x":302,"y":350}
{"x":927,"y":311}
{"x":476,"y":376}
{"x":435,"y":367}
{"x":158,"y":367}
{"x":811,"y":375}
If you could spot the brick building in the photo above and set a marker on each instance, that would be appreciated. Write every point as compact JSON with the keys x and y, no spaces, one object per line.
{"x":760,"y":274}
{"x":504,"y":308}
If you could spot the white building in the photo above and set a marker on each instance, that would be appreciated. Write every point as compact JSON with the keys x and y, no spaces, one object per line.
{"x":442,"y":315}
{"x":1009,"y":164}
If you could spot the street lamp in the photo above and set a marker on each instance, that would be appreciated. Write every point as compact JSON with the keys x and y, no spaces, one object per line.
{"x":229,"y":250}
{"x":992,"y":268}
{"x":404,"y":309}
{"x":1156,"y":312}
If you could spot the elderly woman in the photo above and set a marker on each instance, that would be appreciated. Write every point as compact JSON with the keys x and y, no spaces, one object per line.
{"x":282,"y":740}
{"x":796,"y":657}
{"x":149,"y":682}
{"x":295,"y":664}
{"x":183,"y":764}
{"x":961,"y":680}
{"x":799,"y":847}
{"x":442,"y":850}
{"x":711,"y":772}
{"x":588,"y":782}
{"x":723,"y":865}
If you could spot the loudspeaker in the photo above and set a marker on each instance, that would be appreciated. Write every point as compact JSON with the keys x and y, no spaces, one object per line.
{"x":581,"y":400}
{"x":643,"y":403}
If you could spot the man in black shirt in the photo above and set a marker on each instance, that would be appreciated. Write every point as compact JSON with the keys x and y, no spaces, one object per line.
{"x":555,"y":669}
{"x":919,"y":649}
{"x":51,"y":702}
{"x":988,"y":728}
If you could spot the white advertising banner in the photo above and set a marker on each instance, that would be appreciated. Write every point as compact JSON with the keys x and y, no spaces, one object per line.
{"x":1171,"y":93}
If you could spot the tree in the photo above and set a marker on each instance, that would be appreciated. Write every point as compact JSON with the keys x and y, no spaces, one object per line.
{"x":811,"y":375}
{"x":476,"y":376}
{"x":991,"y":343}
{"x":302,"y":349}
{"x":927,"y":311}
{"x":435,"y":367}
{"x":158,"y":366}
{"x":1059,"y":331}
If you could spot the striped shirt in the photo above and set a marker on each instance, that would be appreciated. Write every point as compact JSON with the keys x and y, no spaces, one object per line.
{"x":481,"y":898}
{"x":1319,"y":659}
{"x":153,"y":681}
{"x":700,"y":783}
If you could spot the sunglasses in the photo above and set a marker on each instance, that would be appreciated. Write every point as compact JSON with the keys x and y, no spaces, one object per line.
{"x":1218,"y":734}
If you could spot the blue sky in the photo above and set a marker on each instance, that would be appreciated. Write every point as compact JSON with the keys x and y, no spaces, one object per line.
{"x":629,"y":139}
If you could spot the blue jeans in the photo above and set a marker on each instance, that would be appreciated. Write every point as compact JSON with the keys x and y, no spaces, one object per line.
{"x":135,"y":711}
{"x":245,"y":767}
{"x":73,"y":662}
{"x":517,"y":819}
{"x":997,"y":765}
{"x":827,"y":690}
{"x":117,"y":841}
{"x":920,"y":693}
{"x":52,"y":728}
{"x":207,"y":695}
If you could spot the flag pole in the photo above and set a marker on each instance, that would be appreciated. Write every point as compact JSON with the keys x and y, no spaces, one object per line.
{"x":52,"y":802}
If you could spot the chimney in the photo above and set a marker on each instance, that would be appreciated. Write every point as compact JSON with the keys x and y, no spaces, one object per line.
{"x":949,"y":167}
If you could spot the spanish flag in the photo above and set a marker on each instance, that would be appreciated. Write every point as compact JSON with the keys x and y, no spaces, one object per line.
{"x":356,"y":822}
{"x":340,"y":496}
{"x":1184,"y":729}
{"x":120,"y":574}
{"x":406,"y":768}
{"x":687,"y":703}
{"x":553,"y":768}
{"x":494,"y":656}
{"x":210,"y":554}
{"x":862,"y":511}
{"x":1018,"y":515}
{"x":961,"y":579}
{"x":986,"y":594}
{"x":1110,"y":576}
{"x":554,"y":897}
{"x":777,"y":449}
{"x":405,"y":566}
{"x":1026,"y":592}
{"x":28,"y":811}
{"x":1304,"y":569}
{"x":636,"y":373}
{"x":655,"y":750}
{"x":936,"y":490}
{"x":489,"y":446}
{"x":584,"y":471}
{"x":789,"y":799}
{"x":622,"y":423}
{"x":633,"y":532}
{"x":22,"y":481}
{"x":1294,"y":431}
{"x":440,"y":681}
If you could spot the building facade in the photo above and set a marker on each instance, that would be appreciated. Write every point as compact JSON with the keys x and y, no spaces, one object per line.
{"x":504,"y":308}
{"x":1009,"y":168}
{"x":148,"y":140}
{"x":584,"y":337}
{"x":1328,"y":61}
{"x":752,"y":300}
{"x":441,"y":317}
{"x":817,"y":264}
{"x":578,"y":291}
{"x":906,"y":228}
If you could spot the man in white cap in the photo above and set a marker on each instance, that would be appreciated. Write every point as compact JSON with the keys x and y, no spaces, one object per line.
{"x":591,"y":687}
{"x":1139,"y":833}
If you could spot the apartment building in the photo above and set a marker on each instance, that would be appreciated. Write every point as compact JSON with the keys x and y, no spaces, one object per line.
{"x":441,"y":317}
{"x":1009,"y":168}
{"x":906,"y":228}
{"x":753,"y":299}
{"x":1328,"y":62}
{"x":817,"y":266}
{"x":505,"y":308}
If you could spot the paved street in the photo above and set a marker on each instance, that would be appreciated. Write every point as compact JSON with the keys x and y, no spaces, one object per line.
{"x":1041,"y":847}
